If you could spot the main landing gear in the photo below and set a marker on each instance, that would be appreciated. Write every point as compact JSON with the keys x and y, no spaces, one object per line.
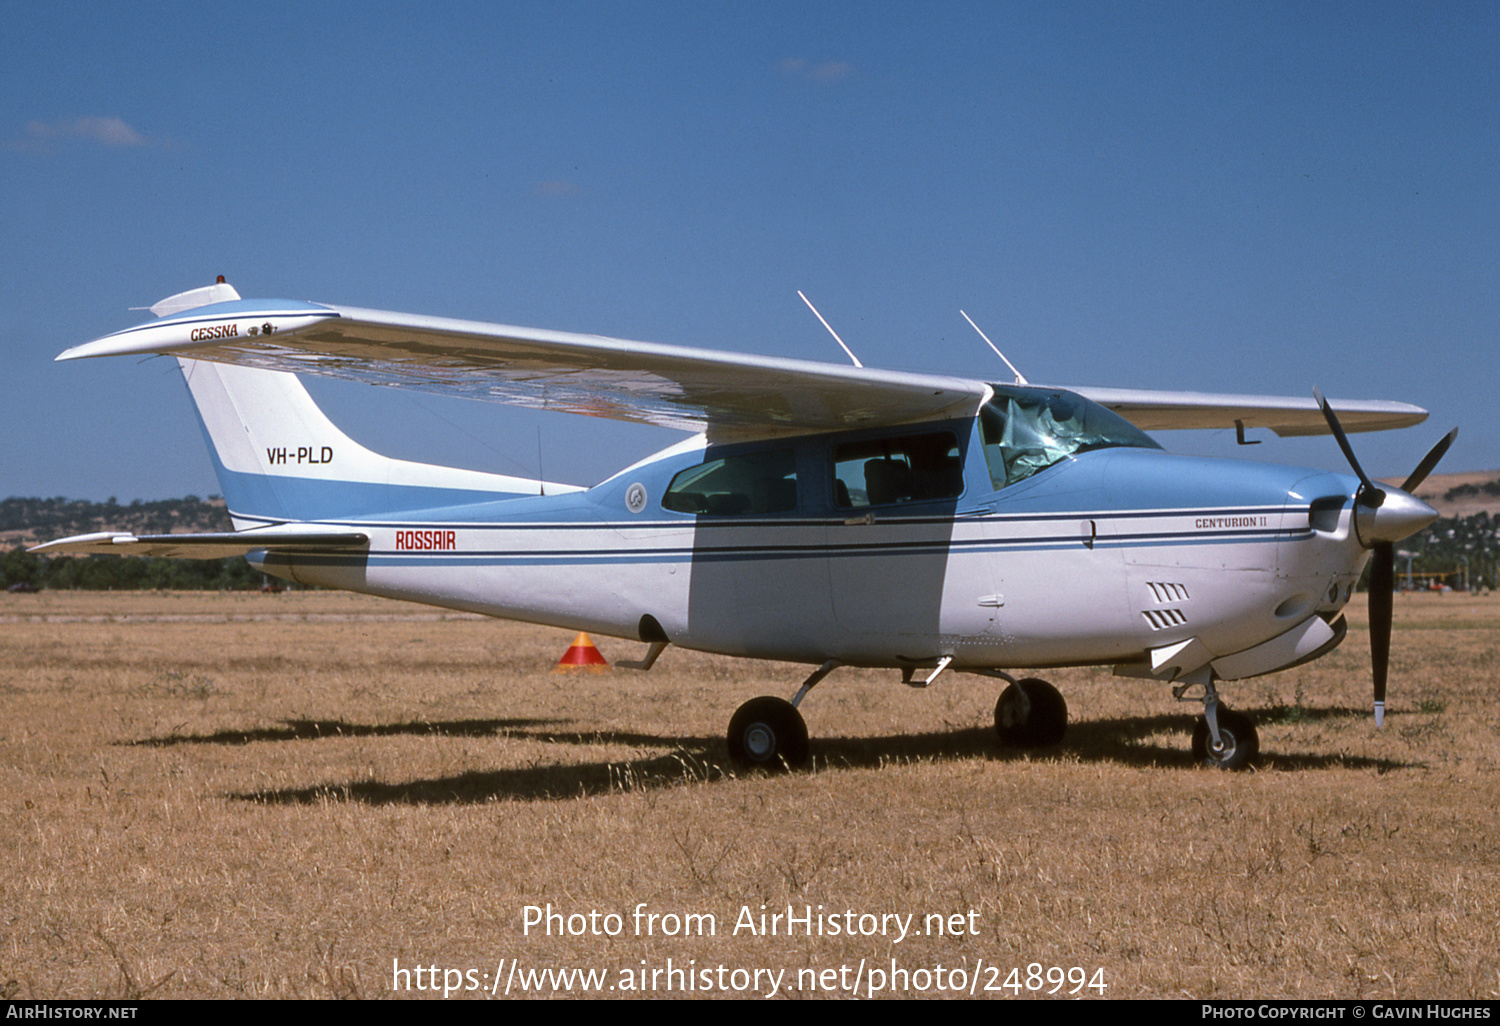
{"x":1030,"y":714}
{"x":768,"y":733}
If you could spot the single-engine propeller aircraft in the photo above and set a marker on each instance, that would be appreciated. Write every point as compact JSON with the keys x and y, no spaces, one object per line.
{"x":823,"y":514}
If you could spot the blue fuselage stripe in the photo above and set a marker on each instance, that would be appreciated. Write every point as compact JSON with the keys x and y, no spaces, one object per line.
{"x":707,"y":552}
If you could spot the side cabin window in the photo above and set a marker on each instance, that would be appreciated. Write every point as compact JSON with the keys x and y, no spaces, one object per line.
{"x":754,"y":482}
{"x":1026,"y":430}
{"x":906,"y":468}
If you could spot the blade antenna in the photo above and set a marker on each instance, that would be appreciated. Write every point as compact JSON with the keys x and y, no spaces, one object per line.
{"x":1020,"y":378}
{"x":847,"y":351}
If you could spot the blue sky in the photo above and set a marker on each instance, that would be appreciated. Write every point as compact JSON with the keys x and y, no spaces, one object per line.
{"x":1220,"y":197}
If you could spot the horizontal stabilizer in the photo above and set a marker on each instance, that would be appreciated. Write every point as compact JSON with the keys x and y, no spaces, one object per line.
{"x":282,"y":538}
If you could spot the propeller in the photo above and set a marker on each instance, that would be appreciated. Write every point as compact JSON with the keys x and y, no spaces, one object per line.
{"x":1381,"y":518}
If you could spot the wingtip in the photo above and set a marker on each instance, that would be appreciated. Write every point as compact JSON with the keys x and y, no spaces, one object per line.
{"x":95,"y":348}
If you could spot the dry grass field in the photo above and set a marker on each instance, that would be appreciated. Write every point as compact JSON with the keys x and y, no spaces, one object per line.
{"x":303,"y":795}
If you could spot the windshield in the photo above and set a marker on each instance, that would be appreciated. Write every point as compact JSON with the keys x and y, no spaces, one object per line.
{"x":1025,"y":430}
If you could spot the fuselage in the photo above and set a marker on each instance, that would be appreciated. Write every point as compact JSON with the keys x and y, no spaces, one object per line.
{"x":966,"y":540}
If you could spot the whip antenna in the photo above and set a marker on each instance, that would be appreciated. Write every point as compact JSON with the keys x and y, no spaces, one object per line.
{"x":835,"y":334}
{"x":1020,"y":379}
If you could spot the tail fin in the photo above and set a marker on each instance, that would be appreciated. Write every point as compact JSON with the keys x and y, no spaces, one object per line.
{"x":219,"y":292}
{"x":279,"y":458}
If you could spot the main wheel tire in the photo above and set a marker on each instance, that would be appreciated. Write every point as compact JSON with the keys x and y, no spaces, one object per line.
{"x":1031,"y":714}
{"x":1241,"y":743}
{"x":768,"y":733}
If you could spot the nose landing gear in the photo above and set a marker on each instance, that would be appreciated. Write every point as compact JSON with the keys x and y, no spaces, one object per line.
{"x":1222,"y":738}
{"x":1237,"y":746}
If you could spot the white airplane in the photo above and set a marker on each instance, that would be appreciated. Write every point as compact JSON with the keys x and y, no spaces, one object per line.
{"x":822,"y":514}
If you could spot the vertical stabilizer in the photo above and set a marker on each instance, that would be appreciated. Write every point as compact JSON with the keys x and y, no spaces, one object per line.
{"x":279,"y":458}
{"x":220,"y":292}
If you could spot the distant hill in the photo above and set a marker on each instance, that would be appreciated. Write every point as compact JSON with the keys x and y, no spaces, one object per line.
{"x":30,"y":521}
{"x":1461,"y":495}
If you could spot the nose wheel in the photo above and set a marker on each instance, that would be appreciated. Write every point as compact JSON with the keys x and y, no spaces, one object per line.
{"x":1222,"y":738}
{"x":1238,"y":743}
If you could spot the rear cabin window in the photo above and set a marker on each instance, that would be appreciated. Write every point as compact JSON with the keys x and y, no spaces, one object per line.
{"x":756,"y":482}
{"x":908,"y":468}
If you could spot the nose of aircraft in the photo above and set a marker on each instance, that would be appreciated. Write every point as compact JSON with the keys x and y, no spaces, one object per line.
{"x":1382,"y":517}
{"x":1399,"y":515}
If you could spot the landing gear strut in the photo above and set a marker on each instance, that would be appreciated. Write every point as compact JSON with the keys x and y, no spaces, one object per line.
{"x":768,"y":733}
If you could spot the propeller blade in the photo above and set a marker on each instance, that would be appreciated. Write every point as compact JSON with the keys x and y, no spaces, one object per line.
{"x":1369,"y":495}
{"x":1429,"y":461}
{"x":1382,"y":590}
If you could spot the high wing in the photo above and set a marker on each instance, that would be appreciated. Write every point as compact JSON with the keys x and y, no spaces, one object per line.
{"x":298,"y":538}
{"x":725,"y":395}
{"x":1285,"y":415}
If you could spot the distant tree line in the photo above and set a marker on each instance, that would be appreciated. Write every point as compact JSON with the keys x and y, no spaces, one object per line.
{"x":126,"y":573}
{"x":1468,"y":491}
{"x":46,"y":519}
{"x":25,"y":522}
{"x":1453,"y":547}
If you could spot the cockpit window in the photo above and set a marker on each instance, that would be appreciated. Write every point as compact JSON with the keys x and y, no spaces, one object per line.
{"x":1026,"y":430}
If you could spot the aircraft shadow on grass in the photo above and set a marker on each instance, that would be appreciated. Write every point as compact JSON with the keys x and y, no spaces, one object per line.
{"x":312,"y":730}
{"x":1130,"y":742}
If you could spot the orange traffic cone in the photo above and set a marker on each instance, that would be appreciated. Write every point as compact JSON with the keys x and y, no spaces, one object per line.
{"x":581,"y":655}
